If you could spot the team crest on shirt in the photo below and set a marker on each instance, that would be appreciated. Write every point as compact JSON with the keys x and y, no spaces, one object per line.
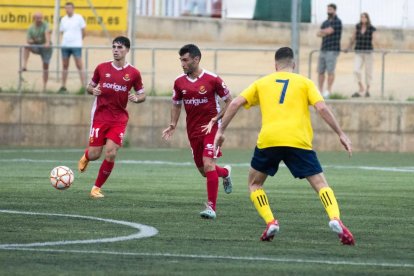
{"x":184,"y":92}
{"x":126,"y":77}
{"x":202,"y":90}
{"x":107,"y":75}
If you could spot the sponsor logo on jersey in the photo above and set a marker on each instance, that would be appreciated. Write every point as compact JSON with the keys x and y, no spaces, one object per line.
{"x":196,"y":102}
{"x":107,"y":75}
{"x":202,"y":90}
{"x":126,"y":77}
{"x":114,"y":86}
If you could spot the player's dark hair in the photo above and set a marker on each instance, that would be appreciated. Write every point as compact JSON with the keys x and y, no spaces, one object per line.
{"x":284,"y":53}
{"x":332,"y":5}
{"x":192,"y":49}
{"x":123,"y":41}
{"x":70,"y":4}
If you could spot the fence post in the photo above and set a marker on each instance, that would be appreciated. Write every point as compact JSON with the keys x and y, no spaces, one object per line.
{"x":86,"y":69}
{"x":19,"y":85}
{"x":152,"y":93}
{"x":383,"y":74}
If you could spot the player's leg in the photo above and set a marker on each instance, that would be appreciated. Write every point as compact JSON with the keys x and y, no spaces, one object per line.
{"x":223,"y":172}
{"x":114,"y":139}
{"x":264,"y":162}
{"x":97,"y":139}
{"x":78,"y":61}
{"x":329,"y":202}
{"x":261,"y":203}
{"x":209,"y":165}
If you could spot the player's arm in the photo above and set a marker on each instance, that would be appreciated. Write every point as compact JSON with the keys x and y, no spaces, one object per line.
{"x":93,"y":89}
{"x":330,"y":119}
{"x":207,"y":128}
{"x":175,"y":115}
{"x":137,"y":97}
{"x":231,"y":111}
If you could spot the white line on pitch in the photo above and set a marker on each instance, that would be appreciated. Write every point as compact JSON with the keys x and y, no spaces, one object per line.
{"x":144,"y":231}
{"x":234,"y":258}
{"x":171,"y":163}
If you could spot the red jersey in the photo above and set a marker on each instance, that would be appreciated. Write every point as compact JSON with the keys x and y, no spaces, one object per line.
{"x":200,"y":97}
{"x":115,"y":84}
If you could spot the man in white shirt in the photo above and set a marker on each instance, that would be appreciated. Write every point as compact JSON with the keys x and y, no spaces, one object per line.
{"x":72,"y":26}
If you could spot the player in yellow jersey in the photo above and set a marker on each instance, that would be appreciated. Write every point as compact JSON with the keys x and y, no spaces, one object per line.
{"x":286,"y":135}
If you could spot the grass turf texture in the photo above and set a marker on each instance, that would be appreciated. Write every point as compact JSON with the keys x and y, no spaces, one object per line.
{"x":375,"y":204}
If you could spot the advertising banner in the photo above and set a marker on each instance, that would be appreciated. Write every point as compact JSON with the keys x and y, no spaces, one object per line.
{"x":18,"y":14}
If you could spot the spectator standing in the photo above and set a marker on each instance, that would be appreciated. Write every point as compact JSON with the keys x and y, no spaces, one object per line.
{"x":330,"y":32}
{"x":363,"y":37}
{"x":38,"y":38}
{"x":72,"y":26}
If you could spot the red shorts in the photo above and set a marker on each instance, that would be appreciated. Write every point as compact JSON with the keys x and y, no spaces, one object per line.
{"x":204,"y":146}
{"x":101,"y":131}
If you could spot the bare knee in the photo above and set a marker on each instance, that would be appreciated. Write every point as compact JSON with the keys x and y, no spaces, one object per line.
{"x":110,"y":154}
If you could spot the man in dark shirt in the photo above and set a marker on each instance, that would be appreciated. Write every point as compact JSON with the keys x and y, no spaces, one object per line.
{"x":330,"y":32}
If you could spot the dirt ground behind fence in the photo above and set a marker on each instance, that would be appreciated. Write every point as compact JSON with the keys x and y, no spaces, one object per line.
{"x":398,"y":80}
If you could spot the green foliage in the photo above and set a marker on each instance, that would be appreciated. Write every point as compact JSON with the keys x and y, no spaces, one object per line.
{"x":410,"y":99}
{"x":375,"y":204}
{"x":337,"y":96}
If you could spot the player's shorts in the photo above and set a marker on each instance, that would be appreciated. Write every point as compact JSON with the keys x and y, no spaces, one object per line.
{"x":45,"y":53}
{"x":100,"y":132}
{"x":327,"y":61}
{"x":301,"y":163}
{"x":204,"y":146}
{"x":75,"y":51}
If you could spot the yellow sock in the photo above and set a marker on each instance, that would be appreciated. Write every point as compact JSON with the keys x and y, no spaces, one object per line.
{"x":329,"y":202}
{"x":261,"y":203}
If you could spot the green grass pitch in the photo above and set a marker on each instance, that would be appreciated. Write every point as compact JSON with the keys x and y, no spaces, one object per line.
{"x":162,"y":188}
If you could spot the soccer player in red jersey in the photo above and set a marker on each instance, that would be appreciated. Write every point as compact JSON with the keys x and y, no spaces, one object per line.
{"x":111,"y":84}
{"x":200,"y":91}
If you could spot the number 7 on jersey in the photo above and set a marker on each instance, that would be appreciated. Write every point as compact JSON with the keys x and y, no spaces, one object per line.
{"x":285,"y":85}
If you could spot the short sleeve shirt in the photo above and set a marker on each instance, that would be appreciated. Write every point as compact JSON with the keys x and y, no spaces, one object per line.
{"x":332,"y":42}
{"x":38,"y":33}
{"x":200,"y":98}
{"x":115,"y":84}
{"x":72,"y":30}
{"x":284,"y":99}
{"x":363,"y":41}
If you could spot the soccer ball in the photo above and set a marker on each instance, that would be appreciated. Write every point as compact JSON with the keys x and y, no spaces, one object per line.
{"x":61,"y":177}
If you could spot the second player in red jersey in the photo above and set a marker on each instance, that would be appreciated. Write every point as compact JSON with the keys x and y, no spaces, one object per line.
{"x":200,"y":91}
{"x":110,"y":84}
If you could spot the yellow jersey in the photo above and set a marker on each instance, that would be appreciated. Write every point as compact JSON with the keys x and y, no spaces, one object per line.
{"x":284,"y":100}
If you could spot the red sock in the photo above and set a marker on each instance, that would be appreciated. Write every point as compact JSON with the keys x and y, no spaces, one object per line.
{"x":104,"y":172}
{"x":222,"y":172}
{"x":212,"y":188}
{"x":87,"y":154}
